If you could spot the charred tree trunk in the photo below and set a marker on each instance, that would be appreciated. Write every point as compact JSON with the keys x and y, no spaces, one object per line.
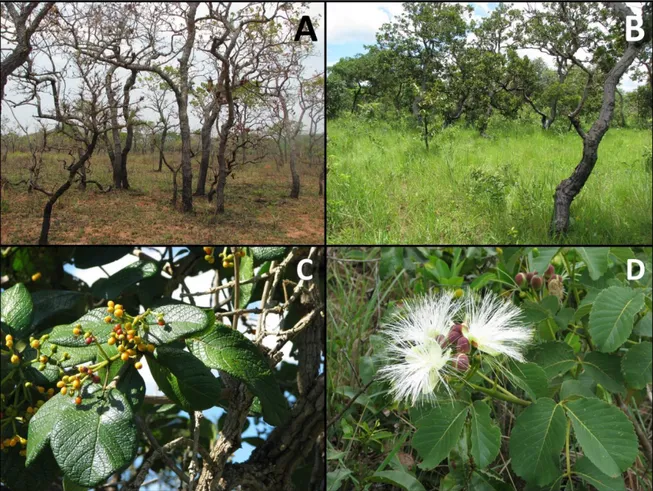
{"x":569,"y":188}
{"x":161,"y":148}
{"x":72,"y":171}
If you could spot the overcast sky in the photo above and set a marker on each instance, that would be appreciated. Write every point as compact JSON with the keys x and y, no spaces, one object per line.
{"x":352,"y":25}
{"x":312,"y":64}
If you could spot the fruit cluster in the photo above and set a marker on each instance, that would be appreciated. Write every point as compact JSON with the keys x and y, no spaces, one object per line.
{"x":127,"y":334}
{"x":227,"y":258}
{"x":459,"y":344}
{"x":533,"y":280}
{"x":21,"y":398}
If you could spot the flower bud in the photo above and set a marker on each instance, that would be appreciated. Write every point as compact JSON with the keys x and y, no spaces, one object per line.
{"x":529,"y":276}
{"x":550,"y":271}
{"x":461,"y":362}
{"x":454,"y":336}
{"x":520,"y":279}
{"x":463,"y":345}
{"x":536,"y":282}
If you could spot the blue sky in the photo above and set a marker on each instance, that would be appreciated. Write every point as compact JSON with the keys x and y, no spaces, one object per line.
{"x":352,"y":25}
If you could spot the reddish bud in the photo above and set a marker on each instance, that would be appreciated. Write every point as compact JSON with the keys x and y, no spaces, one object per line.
{"x":440,"y":339}
{"x":536,"y":282}
{"x":461,"y":362}
{"x":550,"y":271}
{"x":96,"y":379}
{"x":463,"y":345}
{"x":89,"y":340}
{"x":529,"y":276}
{"x":520,"y":279}
{"x":454,"y":335}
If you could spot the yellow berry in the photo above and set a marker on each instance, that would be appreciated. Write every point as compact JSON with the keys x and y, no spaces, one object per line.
{"x":65,"y":379}
{"x":208,"y":250}
{"x":111,"y":341}
{"x":15,"y":359}
{"x":124,"y":357}
{"x":77,"y":331}
{"x":35,"y":344}
{"x":63,"y":390}
{"x":110,"y":309}
{"x":111,"y":304}
{"x":41,"y":389}
{"x":131,"y":352}
{"x":30,"y":410}
{"x":118,"y":313}
{"x":128,"y":326}
{"x":43,"y":359}
{"x":458,"y":293}
{"x":36,"y":276}
{"x":60,"y":384}
{"x":76,"y":384}
{"x":138,"y":365}
{"x":151,"y":348}
{"x":121,"y":348}
{"x":107,"y":319}
{"x":211,"y":260}
{"x":50,"y":391}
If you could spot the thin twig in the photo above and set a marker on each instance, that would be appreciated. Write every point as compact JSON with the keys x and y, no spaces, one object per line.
{"x":349,"y":404}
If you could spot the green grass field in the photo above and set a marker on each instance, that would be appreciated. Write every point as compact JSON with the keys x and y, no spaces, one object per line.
{"x":257,"y":207}
{"x":384,"y":187}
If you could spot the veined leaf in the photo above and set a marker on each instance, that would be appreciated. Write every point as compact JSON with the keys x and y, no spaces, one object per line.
{"x":180,"y":320}
{"x":401,"y":479}
{"x":536,"y":441}
{"x":637,"y":365}
{"x":612,"y":316}
{"x":554,"y":357}
{"x":589,"y":473}
{"x":110,"y":288}
{"x":16,"y":310}
{"x":596,"y":260}
{"x":438,"y":429}
{"x":485,"y":435}
{"x":604,"y":368}
{"x":604,"y":433}
{"x":228,"y":350}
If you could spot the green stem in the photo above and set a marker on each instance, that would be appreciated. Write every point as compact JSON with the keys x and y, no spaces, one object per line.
{"x":567,"y":454}
{"x":500,"y":395}
{"x":495,"y":385}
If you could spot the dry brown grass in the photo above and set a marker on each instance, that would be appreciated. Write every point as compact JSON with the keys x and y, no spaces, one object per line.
{"x":258,"y":210}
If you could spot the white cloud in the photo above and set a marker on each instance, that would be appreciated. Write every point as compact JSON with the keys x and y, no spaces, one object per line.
{"x":358,"y":22}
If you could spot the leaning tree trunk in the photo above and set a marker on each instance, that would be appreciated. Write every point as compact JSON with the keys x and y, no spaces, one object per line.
{"x":163,"y":142}
{"x":72,"y":171}
{"x":569,"y":188}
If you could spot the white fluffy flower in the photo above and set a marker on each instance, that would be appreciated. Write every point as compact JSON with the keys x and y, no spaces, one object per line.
{"x":494,"y":326}
{"x":416,"y":361}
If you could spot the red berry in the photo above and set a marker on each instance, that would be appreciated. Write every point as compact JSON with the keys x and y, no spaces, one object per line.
{"x":89,"y":340}
{"x":161,"y":322}
{"x":78,"y":400}
{"x":463,"y":345}
{"x":96,"y":379}
{"x":461,"y":362}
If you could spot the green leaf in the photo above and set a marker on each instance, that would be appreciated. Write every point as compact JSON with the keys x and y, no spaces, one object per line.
{"x":482,"y":280}
{"x":541,"y":262}
{"x":400,"y":479}
{"x":16,"y":311}
{"x":531,"y":378}
{"x":392,"y":260}
{"x":56,"y":307}
{"x":485,"y":435}
{"x":184,"y":379}
{"x":337,"y":477}
{"x":636,"y":365}
{"x":181,"y":320}
{"x":554,"y":357}
{"x":605,"y":369}
{"x":95,"y":439}
{"x":612,"y":316}
{"x":264,"y":254}
{"x":92,"y":320}
{"x":589,"y":473}
{"x":88,"y":257}
{"x":573,"y":389}
{"x":37,"y":476}
{"x":133,"y":386}
{"x":536,"y":441}
{"x":596,"y":260}
{"x":604,"y":433}
{"x":228,"y":350}
{"x":69,"y":485}
{"x":644,"y":327}
{"x":438,"y":429}
{"x":42,"y":424}
{"x":111,"y":288}
{"x":246,"y":272}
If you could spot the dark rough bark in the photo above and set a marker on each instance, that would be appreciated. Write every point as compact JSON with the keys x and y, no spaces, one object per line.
{"x":321,"y":184}
{"x":164,"y":134}
{"x":24,"y":33}
{"x":209,"y":120}
{"x":569,"y":188}
{"x":72,"y":171}
{"x":294,"y":190}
